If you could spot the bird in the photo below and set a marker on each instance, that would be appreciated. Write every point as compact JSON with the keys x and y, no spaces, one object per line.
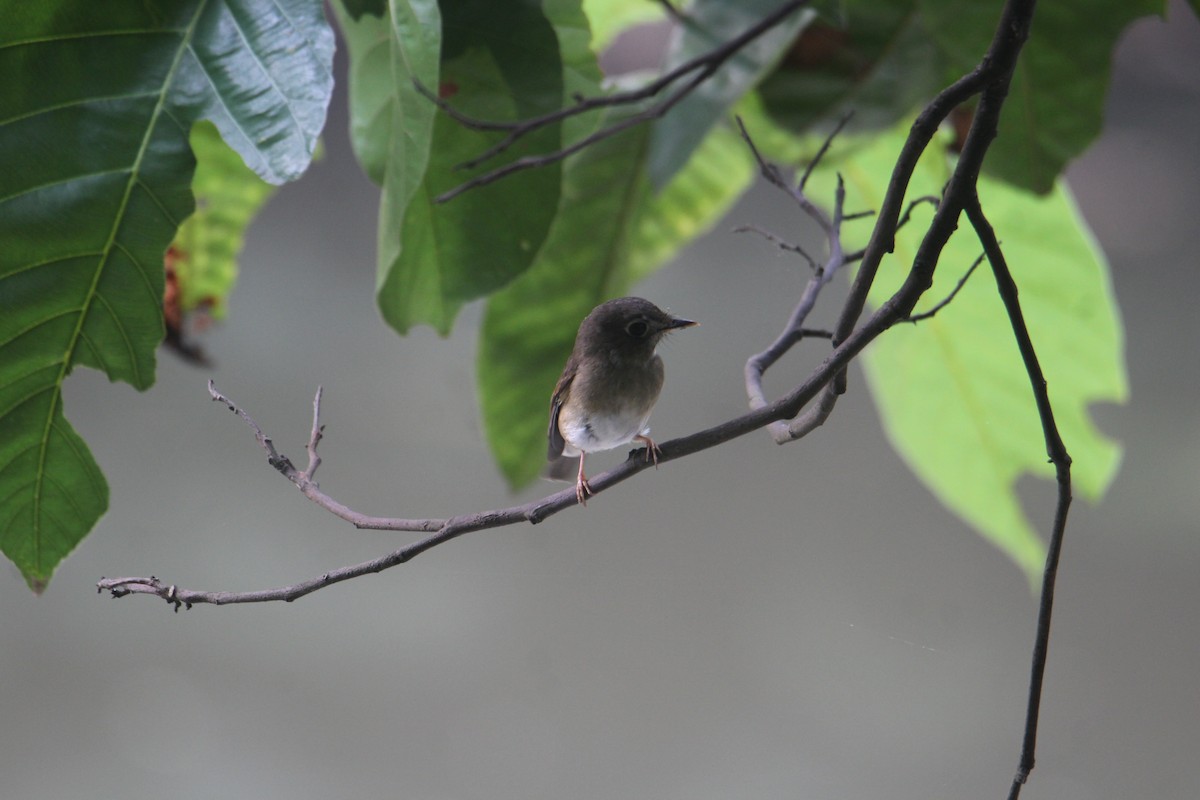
{"x":609,"y":385}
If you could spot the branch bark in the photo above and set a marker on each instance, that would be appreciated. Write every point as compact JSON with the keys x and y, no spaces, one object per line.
{"x":1056,"y":450}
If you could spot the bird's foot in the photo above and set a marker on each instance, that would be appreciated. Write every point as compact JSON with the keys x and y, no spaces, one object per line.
{"x":583,"y":490}
{"x":652,"y":450}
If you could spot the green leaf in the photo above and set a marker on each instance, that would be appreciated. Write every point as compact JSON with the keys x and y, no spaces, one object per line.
{"x":1056,"y":103}
{"x":712,"y":23}
{"x":94,"y":182}
{"x":51,"y":490}
{"x":878,"y":63}
{"x":387,"y":54}
{"x":375,"y":95}
{"x":610,"y":231}
{"x":205,"y":249}
{"x":262,"y":70}
{"x":952,"y":390}
{"x":500,"y":62}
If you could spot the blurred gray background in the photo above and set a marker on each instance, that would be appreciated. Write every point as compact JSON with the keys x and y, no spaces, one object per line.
{"x":750,"y":622}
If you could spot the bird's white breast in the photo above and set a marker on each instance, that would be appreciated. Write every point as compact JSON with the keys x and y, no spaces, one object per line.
{"x":596,"y":432}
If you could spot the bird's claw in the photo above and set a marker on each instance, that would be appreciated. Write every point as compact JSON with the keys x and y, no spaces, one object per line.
{"x":653,"y":451}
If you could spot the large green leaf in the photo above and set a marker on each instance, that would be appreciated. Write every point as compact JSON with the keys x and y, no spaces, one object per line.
{"x":95,"y":109}
{"x":952,"y":390}
{"x":710,"y":24}
{"x":499,"y":62}
{"x":878,"y":63}
{"x":1056,"y":103}
{"x":610,"y":231}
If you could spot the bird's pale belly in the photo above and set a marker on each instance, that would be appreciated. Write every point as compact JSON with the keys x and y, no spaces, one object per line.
{"x":596,"y":432}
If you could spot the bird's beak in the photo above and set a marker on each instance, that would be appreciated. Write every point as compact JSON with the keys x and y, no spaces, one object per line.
{"x":681,"y":323}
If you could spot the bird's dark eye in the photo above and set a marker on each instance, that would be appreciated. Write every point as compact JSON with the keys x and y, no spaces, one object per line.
{"x":637,"y":329}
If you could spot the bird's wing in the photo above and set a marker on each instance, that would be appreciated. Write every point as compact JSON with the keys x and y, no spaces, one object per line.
{"x":561,"y":392}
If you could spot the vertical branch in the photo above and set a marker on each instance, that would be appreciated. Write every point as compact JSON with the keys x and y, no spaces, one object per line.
{"x":1057,"y":452}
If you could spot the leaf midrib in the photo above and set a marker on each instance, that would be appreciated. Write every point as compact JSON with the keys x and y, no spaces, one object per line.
{"x":106,"y":253}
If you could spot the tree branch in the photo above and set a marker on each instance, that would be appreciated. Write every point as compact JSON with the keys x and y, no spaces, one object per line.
{"x":991,"y":79}
{"x":945,"y":301}
{"x":779,"y":242}
{"x":757,"y":365}
{"x":304,"y":481}
{"x":1057,"y":452}
{"x":699,"y":68}
{"x":443,"y":530}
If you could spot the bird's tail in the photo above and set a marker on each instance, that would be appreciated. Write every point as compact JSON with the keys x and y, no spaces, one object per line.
{"x":562,"y":468}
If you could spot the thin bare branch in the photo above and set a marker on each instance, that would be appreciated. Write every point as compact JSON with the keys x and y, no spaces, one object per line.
{"x":812,"y":164}
{"x":699,"y":68}
{"x":780,"y":243}
{"x":314,"y":438}
{"x":274,"y":457}
{"x":757,"y":365}
{"x":532,"y":162}
{"x":774,"y":176}
{"x":304,"y":482}
{"x":907,"y":215}
{"x":945,"y":301}
{"x":1056,"y":450}
{"x":443,"y":530}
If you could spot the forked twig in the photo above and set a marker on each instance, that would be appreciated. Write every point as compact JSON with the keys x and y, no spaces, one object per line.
{"x":793,"y":331}
{"x":781,"y":243}
{"x":945,"y":301}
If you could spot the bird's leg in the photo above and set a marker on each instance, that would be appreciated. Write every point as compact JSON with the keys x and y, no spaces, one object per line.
{"x":652,"y":450}
{"x":582,"y":488}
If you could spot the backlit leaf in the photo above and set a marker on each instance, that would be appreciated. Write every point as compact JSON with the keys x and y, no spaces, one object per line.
{"x":952,"y":390}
